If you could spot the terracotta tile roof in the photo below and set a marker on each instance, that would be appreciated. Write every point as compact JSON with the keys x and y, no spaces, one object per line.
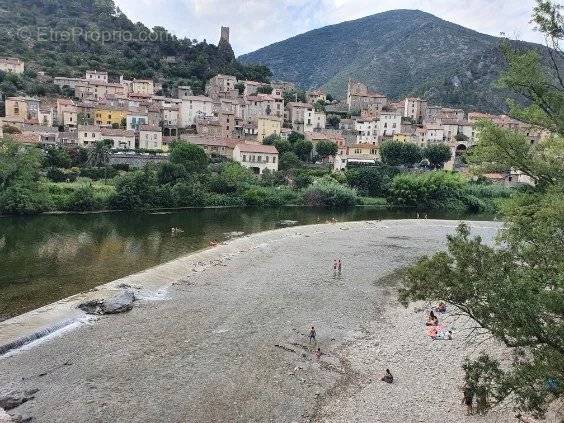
{"x":257,"y":148}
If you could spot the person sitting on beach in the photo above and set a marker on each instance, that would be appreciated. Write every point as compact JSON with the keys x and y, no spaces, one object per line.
{"x":432,"y":320}
{"x":318,"y":353}
{"x":441,"y":308}
{"x":443,"y":336}
{"x":388,"y":378}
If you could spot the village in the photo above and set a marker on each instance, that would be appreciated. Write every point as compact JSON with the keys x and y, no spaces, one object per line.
{"x":233,"y":118}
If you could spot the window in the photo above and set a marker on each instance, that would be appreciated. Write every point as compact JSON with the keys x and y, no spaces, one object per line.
{"x":274,"y":160}
{"x":244,"y":158}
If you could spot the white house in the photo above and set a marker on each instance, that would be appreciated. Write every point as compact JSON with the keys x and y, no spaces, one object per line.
{"x":121,"y":138}
{"x":256,"y":157}
{"x":150,"y":137}
{"x":314,"y":121}
{"x":389,"y":124}
{"x":193,"y":107}
{"x":366,"y":131}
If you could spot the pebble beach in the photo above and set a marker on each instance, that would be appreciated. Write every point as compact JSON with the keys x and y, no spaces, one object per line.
{"x":226,"y":337}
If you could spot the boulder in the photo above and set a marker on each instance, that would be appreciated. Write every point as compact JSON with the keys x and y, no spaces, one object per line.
{"x":13,"y":399}
{"x":119,"y":304}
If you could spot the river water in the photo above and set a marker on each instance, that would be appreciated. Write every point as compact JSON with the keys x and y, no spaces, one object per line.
{"x":49,"y":257}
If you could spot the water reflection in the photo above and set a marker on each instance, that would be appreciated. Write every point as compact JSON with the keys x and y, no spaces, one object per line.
{"x":46,"y":258}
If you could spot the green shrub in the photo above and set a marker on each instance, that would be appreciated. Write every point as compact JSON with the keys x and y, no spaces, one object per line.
{"x":223,"y":200}
{"x":327,"y":193}
{"x":188,"y":194}
{"x":429,"y":191}
{"x":56,"y":174}
{"x":82,"y":199}
{"x":97,"y":173}
{"x":257,"y":196}
{"x":374,"y":181}
{"x":24,"y":198}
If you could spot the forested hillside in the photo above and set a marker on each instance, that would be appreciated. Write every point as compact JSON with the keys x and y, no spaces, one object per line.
{"x":63,"y":37}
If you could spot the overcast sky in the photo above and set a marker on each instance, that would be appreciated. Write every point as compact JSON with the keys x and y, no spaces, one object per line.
{"x":257,"y":23}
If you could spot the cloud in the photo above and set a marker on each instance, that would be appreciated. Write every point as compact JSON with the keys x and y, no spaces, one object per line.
{"x":257,"y":23}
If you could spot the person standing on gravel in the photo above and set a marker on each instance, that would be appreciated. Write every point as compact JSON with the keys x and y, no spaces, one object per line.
{"x":335,"y":268}
{"x":339,"y":267}
{"x":312,"y":334}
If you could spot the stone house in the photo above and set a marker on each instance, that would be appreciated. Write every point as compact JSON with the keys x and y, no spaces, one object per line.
{"x":12,"y":65}
{"x":268,"y":125}
{"x":314,"y":121}
{"x":389,"y":124}
{"x":121,"y":138}
{"x":366,"y":130}
{"x":150,"y":137}
{"x":415,"y":109}
{"x":360,"y":97}
{"x":89,"y":135}
{"x":193,"y":107}
{"x":96,"y":76}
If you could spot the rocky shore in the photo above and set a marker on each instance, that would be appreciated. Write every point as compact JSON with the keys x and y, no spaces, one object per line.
{"x":223,"y":337}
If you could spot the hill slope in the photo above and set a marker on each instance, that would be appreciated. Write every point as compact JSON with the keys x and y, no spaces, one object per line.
{"x":399,"y":53}
{"x":63,"y":37}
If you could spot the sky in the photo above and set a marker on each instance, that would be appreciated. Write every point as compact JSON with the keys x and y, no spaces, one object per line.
{"x":258,"y":23}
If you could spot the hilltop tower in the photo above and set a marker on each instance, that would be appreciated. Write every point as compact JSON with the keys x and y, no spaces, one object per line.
{"x":224,"y":34}
{"x":224,"y":46}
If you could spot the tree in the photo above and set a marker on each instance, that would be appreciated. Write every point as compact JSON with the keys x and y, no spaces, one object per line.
{"x":303,"y":149}
{"x":283,"y":146}
{"x":271,"y":139}
{"x":191,"y":156}
{"x":437,"y":155}
{"x":334,"y":121}
{"x":265,"y":89}
{"x":292,"y":96}
{"x":295,"y":136}
{"x":514,"y":290}
{"x":289,"y":160}
{"x":329,"y":98}
{"x":319,"y":106}
{"x":374,"y":181}
{"x":396,"y":153}
{"x":239,"y":86}
{"x":20,"y":190}
{"x":99,"y":155}
{"x":326,"y":148}
{"x":57,"y":157}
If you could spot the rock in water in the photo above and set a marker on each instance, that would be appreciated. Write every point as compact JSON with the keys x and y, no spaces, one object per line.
{"x":118,"y":304}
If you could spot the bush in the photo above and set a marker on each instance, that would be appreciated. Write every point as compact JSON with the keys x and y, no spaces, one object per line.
{"x":82,"y":199}
{"x":222,"y":200}
{"x":62,"y":175}
{"x":270,"y":197}
{"x":98,"y":173}
{"x":374,"y":181}
{"x":136,"y":190}
{"x":289,"y":160}
{"x":328,"y":193}
{"x":191,"y":156}
{"x":188,"y":194}
{"x":24,"y":198}
{"x":429,"y":191}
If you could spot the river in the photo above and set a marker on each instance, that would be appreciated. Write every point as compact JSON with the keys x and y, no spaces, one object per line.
{"x":49,"y":257}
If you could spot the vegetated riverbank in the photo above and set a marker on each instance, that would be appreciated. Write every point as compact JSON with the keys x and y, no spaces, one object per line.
{"x":34,"y":181}
{"x":229,"y":342}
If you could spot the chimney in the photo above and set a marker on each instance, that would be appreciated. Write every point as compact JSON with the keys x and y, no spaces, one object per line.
{"x":224,"y":34}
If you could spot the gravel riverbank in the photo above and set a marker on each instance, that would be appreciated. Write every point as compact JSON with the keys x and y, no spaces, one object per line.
{"x":227,"y":342}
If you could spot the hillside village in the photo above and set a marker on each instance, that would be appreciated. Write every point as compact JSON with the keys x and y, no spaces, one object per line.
{"x":233,"y":119}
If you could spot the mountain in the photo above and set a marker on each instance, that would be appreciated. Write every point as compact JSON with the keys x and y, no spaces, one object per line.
{"x":67,"y":37}
{"x":398,"y":53}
